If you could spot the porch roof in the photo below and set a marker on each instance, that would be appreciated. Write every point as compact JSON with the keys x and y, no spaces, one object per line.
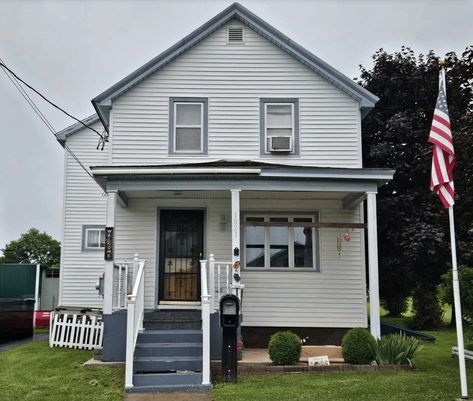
{"x":244,"y":175}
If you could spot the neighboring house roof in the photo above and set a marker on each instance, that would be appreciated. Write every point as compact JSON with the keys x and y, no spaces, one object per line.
{"x":62,"y":135}
{"x":103,"y":102}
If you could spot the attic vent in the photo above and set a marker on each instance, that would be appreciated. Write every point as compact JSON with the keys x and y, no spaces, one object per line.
{"x":235,"y":34}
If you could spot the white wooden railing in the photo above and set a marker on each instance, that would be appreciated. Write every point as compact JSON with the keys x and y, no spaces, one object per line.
{"x":220,"y":280}
{"x":123,"y":282}
{"x":135,"y":312}
{"x":207,"y":299}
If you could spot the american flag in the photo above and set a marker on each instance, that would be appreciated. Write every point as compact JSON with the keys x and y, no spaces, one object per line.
{"x":443,"y":158}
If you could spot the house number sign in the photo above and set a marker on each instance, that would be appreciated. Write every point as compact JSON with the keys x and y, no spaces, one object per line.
{"x":108,"y":243}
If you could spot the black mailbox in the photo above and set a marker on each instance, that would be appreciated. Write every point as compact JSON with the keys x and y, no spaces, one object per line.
{"x":229,"y":320}
{"x":229,"y":311}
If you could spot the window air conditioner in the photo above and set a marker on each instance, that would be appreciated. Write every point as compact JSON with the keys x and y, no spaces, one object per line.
{"x":280,"y":144}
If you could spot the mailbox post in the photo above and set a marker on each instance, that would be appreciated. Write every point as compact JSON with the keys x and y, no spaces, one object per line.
{"x":229,"y":321}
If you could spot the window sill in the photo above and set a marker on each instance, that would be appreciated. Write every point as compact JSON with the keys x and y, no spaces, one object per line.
{"x":93,"y":249}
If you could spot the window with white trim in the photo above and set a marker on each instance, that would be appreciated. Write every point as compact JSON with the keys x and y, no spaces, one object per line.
{"x":279,"y":126}
{"x":280,"y":246}
{"x":93,"y":238}
{"x":188,"y":126}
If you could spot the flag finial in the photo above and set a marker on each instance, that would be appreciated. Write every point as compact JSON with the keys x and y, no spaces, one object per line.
{"x":442,"y":63}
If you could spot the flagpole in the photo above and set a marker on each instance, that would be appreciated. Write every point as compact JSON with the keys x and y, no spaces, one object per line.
{"x":457,"y":303}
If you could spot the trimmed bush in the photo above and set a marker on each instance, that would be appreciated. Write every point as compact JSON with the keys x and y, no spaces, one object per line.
{"x":395,"y":349}
{"x":427,"y":309}
{"x":356,"y":346}
{"x":284,"y":348}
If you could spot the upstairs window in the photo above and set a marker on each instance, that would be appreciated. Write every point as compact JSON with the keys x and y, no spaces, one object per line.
{"x":188,"y":126}
{"x":93,"y":238}
{"x":279,"y":126}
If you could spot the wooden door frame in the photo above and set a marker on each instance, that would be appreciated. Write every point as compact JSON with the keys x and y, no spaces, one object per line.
{"x":158,"y":241}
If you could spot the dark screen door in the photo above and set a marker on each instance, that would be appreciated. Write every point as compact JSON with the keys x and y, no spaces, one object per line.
{"x":181,"y":248}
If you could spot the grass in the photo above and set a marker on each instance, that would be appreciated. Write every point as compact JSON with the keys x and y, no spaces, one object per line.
{"x":435,"y":379}
{"x":35,"y":372}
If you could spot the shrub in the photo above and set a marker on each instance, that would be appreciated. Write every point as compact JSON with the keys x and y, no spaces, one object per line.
{"x":427,"y":309}
{"x":356,"y":346}
{"x":466,"y":290}
{"x":284,"y":348}
{"x":395,"y":349}
{"x":396,"y":306}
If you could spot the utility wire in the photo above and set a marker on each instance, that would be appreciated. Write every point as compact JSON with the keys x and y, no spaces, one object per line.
{"x":2,"y":64}
{"x":43,"y":118}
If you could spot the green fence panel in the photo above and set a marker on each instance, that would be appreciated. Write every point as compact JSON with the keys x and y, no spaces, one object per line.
{"x":17,"y":280}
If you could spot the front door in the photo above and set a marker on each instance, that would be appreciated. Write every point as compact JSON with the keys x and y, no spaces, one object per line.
{"x":180,"y":249}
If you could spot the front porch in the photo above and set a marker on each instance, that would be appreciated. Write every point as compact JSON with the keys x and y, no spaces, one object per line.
{"x":276,"y":239}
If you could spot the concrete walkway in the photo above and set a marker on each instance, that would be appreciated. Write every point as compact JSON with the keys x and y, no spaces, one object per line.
{"x":16,"y":343}
{"x":167,"y":397}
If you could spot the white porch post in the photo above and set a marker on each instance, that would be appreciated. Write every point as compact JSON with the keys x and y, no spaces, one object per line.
{"x":375,"y":322}
{"x":108,"y":276}
{"x":235,"y":238}
{"x":36,"y":293}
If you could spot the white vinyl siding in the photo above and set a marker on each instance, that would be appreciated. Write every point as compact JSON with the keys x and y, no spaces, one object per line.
{"x":234,"y":79}
{"x":84,"y":205}
{"x":333,"y":297}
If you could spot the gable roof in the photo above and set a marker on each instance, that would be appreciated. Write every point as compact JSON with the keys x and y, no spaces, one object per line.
{"x":62,"y":135}
{"x":103,"y":102}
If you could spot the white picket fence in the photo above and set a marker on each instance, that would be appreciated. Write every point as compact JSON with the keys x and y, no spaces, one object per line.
{"x":75,"y":330}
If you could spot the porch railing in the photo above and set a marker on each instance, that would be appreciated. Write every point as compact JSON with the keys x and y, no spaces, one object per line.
{"x":206,"y":305}
{"x":135,"y":312}
{"x":123,"y":273}
{"x":220,"y":280}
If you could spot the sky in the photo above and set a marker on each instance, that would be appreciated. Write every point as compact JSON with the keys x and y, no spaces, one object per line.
{"x":73,"y":50}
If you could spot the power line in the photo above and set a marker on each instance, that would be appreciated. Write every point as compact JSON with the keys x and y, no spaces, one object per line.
{"x":43,"y":118}
{"x":2,"y":64}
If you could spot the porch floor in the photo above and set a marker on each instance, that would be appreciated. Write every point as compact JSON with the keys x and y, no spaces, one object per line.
{"x":260,"y":355}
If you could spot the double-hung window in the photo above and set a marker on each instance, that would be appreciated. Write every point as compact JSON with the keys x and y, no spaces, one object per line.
{"x":188,"y":125}
{"x":93,"y":238}
{"x":281,"y":241}
{"x":279,"y":126}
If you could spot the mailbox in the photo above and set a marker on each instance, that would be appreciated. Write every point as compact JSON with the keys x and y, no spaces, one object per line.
{"x":229,"y":320}
{"x":229,"y":311}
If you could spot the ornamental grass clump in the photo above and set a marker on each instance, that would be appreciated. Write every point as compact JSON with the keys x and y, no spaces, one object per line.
{"x":284,"y":348}
{"x":356,"y":346}
{"x":395,"y":349}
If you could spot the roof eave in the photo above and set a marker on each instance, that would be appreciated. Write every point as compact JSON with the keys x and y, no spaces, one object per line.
{"x":62,"y":135}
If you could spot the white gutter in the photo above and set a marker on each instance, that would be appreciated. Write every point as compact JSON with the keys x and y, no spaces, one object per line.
{"x":172,"y":171}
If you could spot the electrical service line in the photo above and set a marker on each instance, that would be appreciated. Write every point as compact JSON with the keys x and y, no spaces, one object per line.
{"x":2,"y":64}
{"x":42,"y":117}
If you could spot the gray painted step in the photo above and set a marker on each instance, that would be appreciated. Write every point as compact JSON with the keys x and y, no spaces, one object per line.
{"x":170,"y":389}
{"x":167,"y":379}
{"x":173,"y":314}
{"x":166,"y":363}
{"x":172,"y":325}
{"x":170,"y":336}
{"x":168,"y":349}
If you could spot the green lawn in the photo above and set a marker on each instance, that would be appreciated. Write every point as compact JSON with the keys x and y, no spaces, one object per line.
{"x":436,"y":378}
{"x":34,"y":372}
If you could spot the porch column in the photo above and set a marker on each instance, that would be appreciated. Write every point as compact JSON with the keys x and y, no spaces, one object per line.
{"x":236,"y":251}
{"x":375,"y":323}
{"x":108,"y":276}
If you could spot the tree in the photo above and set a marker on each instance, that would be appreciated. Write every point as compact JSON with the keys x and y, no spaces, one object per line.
{"x":33,"y":247}
{"x":414,"y":247}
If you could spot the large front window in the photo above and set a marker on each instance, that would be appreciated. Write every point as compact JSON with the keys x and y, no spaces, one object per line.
{"x":280,"y":242}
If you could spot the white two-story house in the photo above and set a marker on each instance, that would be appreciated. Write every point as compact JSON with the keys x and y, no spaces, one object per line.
{"x":233,"y":165}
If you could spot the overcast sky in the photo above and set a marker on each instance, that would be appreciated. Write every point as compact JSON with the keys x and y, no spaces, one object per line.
{"x":73,"y":50}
